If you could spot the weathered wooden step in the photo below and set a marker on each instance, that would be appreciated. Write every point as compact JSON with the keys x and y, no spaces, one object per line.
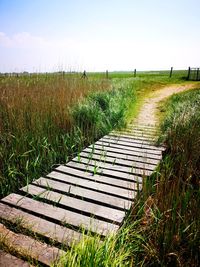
{"x":90,"y":195}
{"x":138,"y":132}
{"x":130,"y":139}
{"x":144,"y":127}
{"x":38,"y":225}
{"x":118,"y":155}
{"x":110,"y":166}
{"x":116,"y":161}
{"x":30,"y":248}
{"x":124,"y":151}
{"x":103,"y":171}
{"x":125,"y":146}
{"x":134,"y":136}
{"x":61,"y":215}
{"x":79,"y":205}
{"x":143,"y":131}
{"x":97,"y":178}
{"x":120,"y":141}
{"x":8,"y":260}
{"x":107,"y":189}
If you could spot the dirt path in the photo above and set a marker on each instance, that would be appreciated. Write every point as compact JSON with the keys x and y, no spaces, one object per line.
{"x":149,"y":109}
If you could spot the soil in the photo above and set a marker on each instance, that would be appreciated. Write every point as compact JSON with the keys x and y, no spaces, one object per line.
{"x":148,"y":114}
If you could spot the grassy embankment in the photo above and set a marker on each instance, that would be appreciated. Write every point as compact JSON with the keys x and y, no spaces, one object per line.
{"x":163,"y":228}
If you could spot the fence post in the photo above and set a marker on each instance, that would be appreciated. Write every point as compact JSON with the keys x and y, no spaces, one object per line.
{"x":106,"y":74}
{"x":197,"y":74}
{"x":188,"y":77}
{"x":134,"y":72}
{"x":170,"y":75}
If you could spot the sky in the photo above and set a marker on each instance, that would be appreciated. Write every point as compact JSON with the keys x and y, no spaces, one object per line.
{"x":98,"y":35}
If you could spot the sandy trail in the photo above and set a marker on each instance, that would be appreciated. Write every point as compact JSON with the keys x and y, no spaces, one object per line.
{"x":149,"y":109}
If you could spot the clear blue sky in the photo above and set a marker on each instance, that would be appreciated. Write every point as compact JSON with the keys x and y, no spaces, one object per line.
{"x":49,"y":35}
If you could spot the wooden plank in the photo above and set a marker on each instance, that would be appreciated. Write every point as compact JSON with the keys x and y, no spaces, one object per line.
{"x":134,"y":136}
{"x":38,"y":225}
{"x":30,"y":248}
{"x":8,"y":260}
{"x":120,"y":141}
{"x":139,"y":132}
{"x":143,"y":126}
{"x":114,"y":202}
{"x":124,"y":145}
{"x":110,"y":214}
{"x":122,"y":150}
{"x":116,"y":154}
{"x":137,"y":135}
{"x":98,"y":178}
{"x":140,"y":137}
{"x":102,"y":171}
{"x":61,"y":215}
{"x":110,"y":166}
{"x":116,"y":161}
{"x":128,"y":147}
{"x":142,"y":131}
{"x":107,"y":189}
{"x":130,"y":139}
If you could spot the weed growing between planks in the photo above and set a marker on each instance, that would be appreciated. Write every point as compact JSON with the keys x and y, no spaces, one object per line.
{"x":114,"y":251}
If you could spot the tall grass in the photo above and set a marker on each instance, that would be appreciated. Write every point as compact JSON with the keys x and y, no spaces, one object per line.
{"x":47,"y":119}
{"x":171,"y":198}
{"x":114,"y":251}
{"x":36,"y":126}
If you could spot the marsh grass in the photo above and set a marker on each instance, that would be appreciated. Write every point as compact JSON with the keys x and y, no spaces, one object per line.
{"x":36,"y":129}
{"x":172,"y":195}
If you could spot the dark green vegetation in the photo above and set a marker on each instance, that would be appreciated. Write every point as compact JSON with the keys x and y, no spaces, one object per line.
{"x":172,"y":230}
{"x":163,"y":228}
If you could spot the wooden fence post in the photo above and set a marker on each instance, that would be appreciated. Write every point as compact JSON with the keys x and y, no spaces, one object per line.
{"x":106,"y":74}
{"x":188,"y":77}
{"x":170,"y":75}
{"x":197,"y":75}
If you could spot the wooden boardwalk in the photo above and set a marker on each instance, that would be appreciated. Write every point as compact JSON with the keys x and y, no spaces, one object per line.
{"x":93,"y":191}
